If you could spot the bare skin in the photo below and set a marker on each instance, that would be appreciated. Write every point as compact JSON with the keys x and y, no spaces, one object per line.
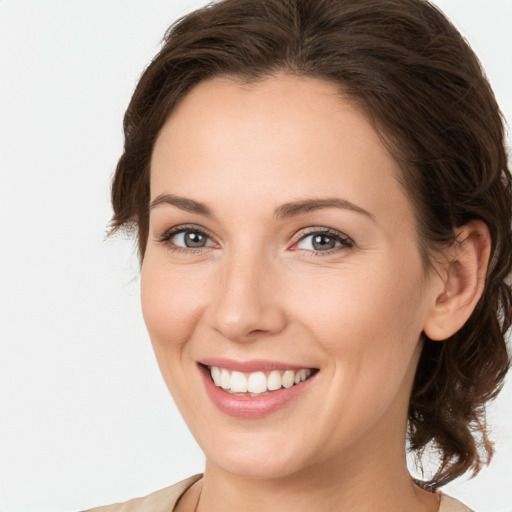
{"x":260,"y":288}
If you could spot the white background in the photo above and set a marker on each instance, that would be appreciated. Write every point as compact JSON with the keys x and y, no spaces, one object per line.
{"x":85,"y":418}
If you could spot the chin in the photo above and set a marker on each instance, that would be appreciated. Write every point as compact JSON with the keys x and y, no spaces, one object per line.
{"x":257,"y":458}
{"x":258,"y":469}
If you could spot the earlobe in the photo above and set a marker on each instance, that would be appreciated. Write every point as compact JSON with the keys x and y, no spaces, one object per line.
{"x":463,"y":276}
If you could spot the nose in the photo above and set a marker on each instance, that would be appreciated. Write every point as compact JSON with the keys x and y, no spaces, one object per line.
{"x":246,"y":305}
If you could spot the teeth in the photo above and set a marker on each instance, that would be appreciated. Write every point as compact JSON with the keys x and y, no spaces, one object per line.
{"x":238,"y":383}
{"x":288,"y":378}
{"x":257,"y":383}
{"x":274,"y":381}
{"x":225,"y":379}
{"x":215,"y":375}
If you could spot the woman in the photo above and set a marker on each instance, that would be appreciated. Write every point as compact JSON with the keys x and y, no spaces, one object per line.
{"x":322,"y":201}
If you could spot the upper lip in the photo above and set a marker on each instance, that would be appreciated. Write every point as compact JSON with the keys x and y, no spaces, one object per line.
{"x":252,"y":365}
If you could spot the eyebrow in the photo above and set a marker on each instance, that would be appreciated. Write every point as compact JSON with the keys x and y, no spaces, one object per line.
{"x":283,"y":211}
{"x":308,"y":205}
{"x":183,"y":203}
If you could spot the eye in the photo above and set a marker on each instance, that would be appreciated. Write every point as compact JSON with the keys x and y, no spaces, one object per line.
{"x":183,"y":238}
{"x":190,"y":239}
{"x":325,"y":240}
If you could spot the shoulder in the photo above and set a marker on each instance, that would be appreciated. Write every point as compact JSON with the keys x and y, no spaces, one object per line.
{"x":449,"y":504}
{"x":163,"y":500}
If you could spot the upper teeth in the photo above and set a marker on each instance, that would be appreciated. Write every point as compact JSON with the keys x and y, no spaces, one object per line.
{"x":257,"y":382}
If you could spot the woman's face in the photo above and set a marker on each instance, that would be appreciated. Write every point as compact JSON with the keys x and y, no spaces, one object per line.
{"x":282,"y":247}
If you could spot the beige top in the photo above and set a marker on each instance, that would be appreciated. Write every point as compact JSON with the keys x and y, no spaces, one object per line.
{"x":166,"y":499}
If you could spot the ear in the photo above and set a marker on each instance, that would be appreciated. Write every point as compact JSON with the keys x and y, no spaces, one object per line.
{"x":463,"y":276}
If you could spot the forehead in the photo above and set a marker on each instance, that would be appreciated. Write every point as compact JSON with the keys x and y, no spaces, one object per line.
{"x":279,"y":139}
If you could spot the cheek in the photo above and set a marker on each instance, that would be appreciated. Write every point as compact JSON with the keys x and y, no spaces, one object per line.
{"x":368,"y":324}
{"x":171,"y":304}
{"x":365,"y":316}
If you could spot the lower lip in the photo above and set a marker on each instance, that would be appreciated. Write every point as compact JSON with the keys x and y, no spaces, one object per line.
{"x":247,"y":406}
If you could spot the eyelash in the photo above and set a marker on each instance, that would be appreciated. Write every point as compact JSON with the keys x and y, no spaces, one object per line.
{"x":344,"y":240}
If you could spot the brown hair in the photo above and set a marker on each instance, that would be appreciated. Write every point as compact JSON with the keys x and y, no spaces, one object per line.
{"x":418,"y":81}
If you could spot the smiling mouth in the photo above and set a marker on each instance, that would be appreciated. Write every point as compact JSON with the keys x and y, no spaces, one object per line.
{"x":257,"y":383}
